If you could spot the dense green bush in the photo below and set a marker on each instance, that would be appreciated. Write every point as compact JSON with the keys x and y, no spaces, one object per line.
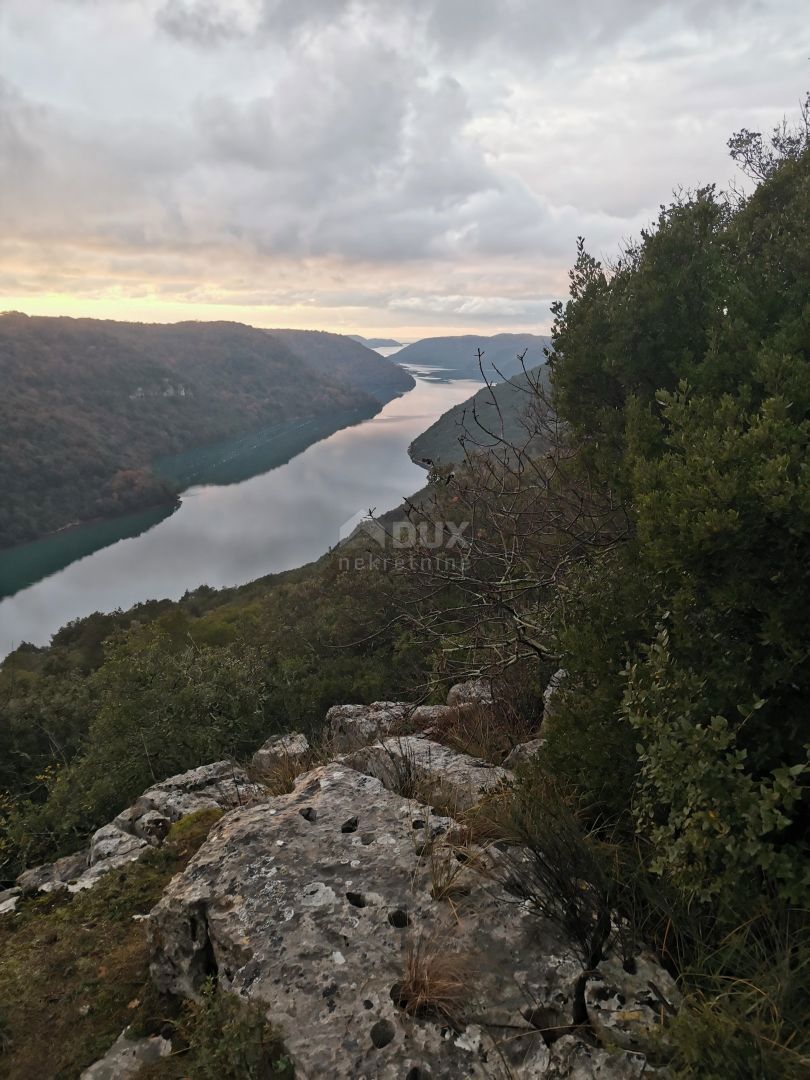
{"x":685,"y":372}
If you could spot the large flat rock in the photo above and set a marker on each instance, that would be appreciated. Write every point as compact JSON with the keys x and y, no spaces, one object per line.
{"x":313,"y":902}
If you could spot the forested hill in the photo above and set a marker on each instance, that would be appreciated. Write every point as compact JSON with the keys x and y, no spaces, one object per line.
{"x":343,"y":358}
{"x":376,"y":342}
{"x":88,"y":404}
{"x":496,"y":414}
{"x":459,"y":354}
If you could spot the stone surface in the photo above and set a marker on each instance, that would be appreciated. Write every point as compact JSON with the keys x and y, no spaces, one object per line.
{"x":351,"y":726}
{"x":418,"y":767}
{"x":111,"y":842}
{"x":309,"y":904}
{"x":55,"y":875}
{"x":290,"y":747}
{"x":221,"y":785}
{"x":573,"y":1059}
{"x":9,"y":898}
{"x":625,"y":1008}
{"x":523,"y":753}
{"x":144,"y":824}
{"x":552,"y":694}
{"x":126,"y":1057}
{"x":432,"y":717}
{"x":471,"y":692}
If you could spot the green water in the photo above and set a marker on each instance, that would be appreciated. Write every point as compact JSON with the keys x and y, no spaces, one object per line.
{"x":228,"y":462}
{"x":234,"y":460}
{"x":28,"y":563}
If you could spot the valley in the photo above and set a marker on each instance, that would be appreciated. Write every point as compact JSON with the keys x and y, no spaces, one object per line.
{"x":88,"y":406}
{"x":249,"y":506}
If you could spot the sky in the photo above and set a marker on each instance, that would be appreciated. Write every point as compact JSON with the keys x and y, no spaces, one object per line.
{"x":397,"y":167}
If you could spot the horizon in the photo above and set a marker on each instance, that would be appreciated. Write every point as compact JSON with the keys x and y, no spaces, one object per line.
{"x":370,"y":334}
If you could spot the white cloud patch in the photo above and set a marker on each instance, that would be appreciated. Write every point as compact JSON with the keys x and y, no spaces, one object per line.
{"x":354,"y":162}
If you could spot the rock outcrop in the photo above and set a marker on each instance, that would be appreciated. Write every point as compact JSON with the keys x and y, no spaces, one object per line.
{"x":144,"y":825}
{"x":351,"y":726}
{"x":524,"y":753}
{"x":330,"y":906}
{"x":383,"y":939}
{"x":9,"y":898}
{"x":627,"y":1003}
{"x":292,"y":747}
{"x":420,"y":768}
{"x":471,"y":692}
{"x":552,"y":695}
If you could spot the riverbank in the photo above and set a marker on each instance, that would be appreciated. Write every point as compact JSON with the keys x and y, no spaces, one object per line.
{"x":229,"y":531}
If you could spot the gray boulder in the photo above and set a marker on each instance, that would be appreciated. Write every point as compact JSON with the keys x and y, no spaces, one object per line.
{"x":144,"y":825}
{"x":220,"y":785}
{"x":55,"y":875}
{"x":417,"y":767}
{"x":471,"y":692}
{"x":624,"y":1007}
{"x":112,"y":842}
{"x":351,"y":726}
{"x":292,"y":747}
{"x":573,"y":1059}
{"x":553,"y":693}
{"x":432,"y":718}
{"x":9,"y":898}
{"x":523,"y":753}
{"x":126,"y":1057}
{"x":323,"y":905}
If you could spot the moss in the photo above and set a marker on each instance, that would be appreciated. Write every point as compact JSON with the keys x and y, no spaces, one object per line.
{"x":222,"y":1037}
{"x":75,"y":968}
{"x":193,"y":828}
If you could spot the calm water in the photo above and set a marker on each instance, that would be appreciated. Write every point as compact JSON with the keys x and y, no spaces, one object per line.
{"x":230,"y":534}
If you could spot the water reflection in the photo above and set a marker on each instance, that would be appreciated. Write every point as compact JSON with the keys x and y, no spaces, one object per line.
{"x":230,"y":535}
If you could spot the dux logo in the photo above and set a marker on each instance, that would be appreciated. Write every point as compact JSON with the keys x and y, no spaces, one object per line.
{"x":360,"y":523}
{"x":404,"y":534}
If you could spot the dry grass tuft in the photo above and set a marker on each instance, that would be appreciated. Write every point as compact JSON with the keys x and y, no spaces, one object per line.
{"x":436,"y":981}
{"x":450,"y":869}
{"x":279,"y":778}
{"x":487,"y":732}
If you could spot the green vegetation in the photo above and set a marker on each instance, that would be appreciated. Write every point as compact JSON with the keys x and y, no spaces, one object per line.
{"x":75,"y":968}
{"x":492,"y":417}
{"x":222,"y":1038}
{"x":88,"y":405}
{"x":347,"y":362}
{"x":658,"y":554}
{"x":119,"y":701}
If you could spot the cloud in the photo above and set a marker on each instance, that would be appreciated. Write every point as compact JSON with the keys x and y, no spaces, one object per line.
{"x":356,"y":159}
{"x":202,"y":23}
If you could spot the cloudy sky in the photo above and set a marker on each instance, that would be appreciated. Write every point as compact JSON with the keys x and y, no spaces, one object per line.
{"x":407,"y":166}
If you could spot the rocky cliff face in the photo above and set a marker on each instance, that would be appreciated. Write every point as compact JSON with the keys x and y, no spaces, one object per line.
{"x":369,"y":916}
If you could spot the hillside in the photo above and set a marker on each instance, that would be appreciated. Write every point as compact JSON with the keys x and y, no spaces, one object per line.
{"x":495,"y":412}
{"x":376,"y":342}
{"x":348,"y":361}
{"x":88,"y":404}
{"x":459,"y":354}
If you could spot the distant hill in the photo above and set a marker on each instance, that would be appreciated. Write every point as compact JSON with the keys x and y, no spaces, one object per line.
{"x":498,"y":409}
{"x":344,"y":359}
{"x":87,"y":405}
{"x":459,"y":354}
{"x":376,"y":342}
